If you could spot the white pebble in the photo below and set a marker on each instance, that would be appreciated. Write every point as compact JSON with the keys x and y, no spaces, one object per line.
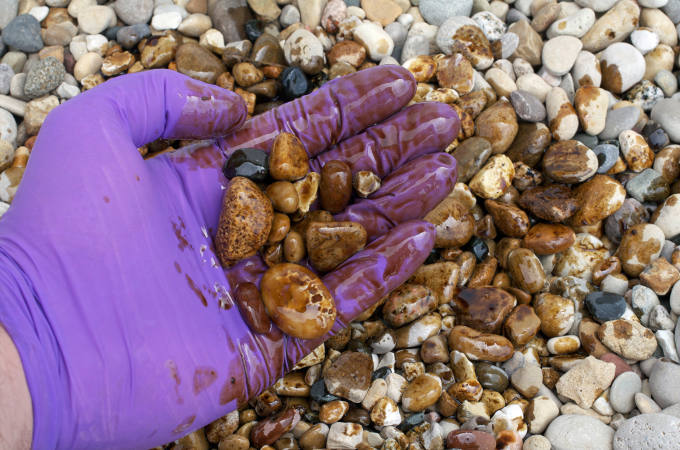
{"x":644,"y":39}
{"x":39,"y":12}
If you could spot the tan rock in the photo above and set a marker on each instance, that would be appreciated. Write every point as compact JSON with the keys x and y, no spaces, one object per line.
{"x":498,"y":125}
{"x":494,"y":178}
{"x":628,"y":339}
{"x":530,"y":42}
{"x":591,"y":106}
{"x":614,"y":26}
{"x":586,"y":381}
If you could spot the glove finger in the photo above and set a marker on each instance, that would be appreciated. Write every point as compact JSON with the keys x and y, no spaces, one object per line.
{"x":408,"y":193}
{"x":417,"y":130}
{"x":339,"y":109}
{"x":157,"y":104}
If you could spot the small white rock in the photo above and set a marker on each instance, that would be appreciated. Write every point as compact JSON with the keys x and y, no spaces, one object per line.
{"x":559,"y":54}
{"x":644,"y":39}
{"x":39,"y":12}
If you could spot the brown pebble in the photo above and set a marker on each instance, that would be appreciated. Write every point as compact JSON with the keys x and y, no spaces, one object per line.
{"x":480,"y":346}
{"x":280,"y":227}
{"x":283,"y":196}
{"x":531,"y":141}
{"x":553,"y":203}
{"x":456,"y":72}
{"x":297,"y":301}
{"x":267,"y":403}
{"x":598,"y":198}
{"x":423,"y":391}
{"x":365,"y":183}
{"x":522,"y":324}
{"x":569,"y":161}
{"x":329,"y":244}
{"x":498,"y":125}
{"x":333,"y":411}
{"x":347,"y":51}
{"x":526,"y":270}
{"x":407,"y":303}
{"x":335,"y":188}
{"x":509,"y":219}
{"x":293,"y":247}
{"x":246,"y":74}
{"x":453,"y":224}
{"x":267,"y":431}
{"x":483,"y":273}
{"x":272,"y":254}
{"x":483,"y":308}
{"x":245,"y":221}
{"x":288,"y":160}
{"x":251,"y":307}
{"x":470,"y":440}
{"x":548,"y":239}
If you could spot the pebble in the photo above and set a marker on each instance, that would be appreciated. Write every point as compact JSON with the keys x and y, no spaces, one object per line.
{"x":648,"y":431}
{"x":605,"y":306}
{"x":511,"y":220}
{"x":470,"y":439}
{"x":591,"y":106}
{"x":644,"y":39}
{"x":628,"y":338}
{"x":468,"y":39}
{"x":664,"y":383}
{"x":133,"y":11}
{"x":569,"y":161}
{"x":607,"y":155}
{"x":645,"y":94}
{"x":252,"y":230}
{"x":23,"y":34}
{"x":44,"y":77}
{"x":521,"y":325}
{"x":96,"y":18}
{"x":559,"y":54}
{"x":6,"y":74}
{"x":622,"y":66}
{"x":527,"y":380}
{"x":303,"y":49}
{"x":294,"y":83}
{"x":619,"y":120}
{"x":436,"y":12}
{"x":454,"y":226}
{"x":483,"y":308}
{"x":548,"y":239}
{"x":421,"y":392}
{"x":562,"y":117}
{"x":492,"y":26}
{"x":640,"y":245}
{"x":530,"y":43}
{"x":480,"y":346}
{"x":527,"y":107}
{"x":36,"y":112}
{"x":585,"y":381}
{"x":349,"y":376}
{"x":344,"y":435}
{"x":623,"y":390}
{"x":378,"y":43}
{"x":648,"y":186}
{"x":526,"y":270}
{"x":576,"y":24}
{"x":562,"y":345}
{"x":660,"y":319}
{"x":494,"y":178}
{"x":407,"y":303}
{"x":198,"y":62}
{"x":612,"y":27}
{"x":592,"y":433}
{"x":666,"y":112}
{"x":8,"y":126}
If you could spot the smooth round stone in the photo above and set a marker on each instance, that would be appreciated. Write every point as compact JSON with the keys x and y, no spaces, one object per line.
{"x":605,"y":306}
{"x":134,"y":11}
{"x":304,"y":50}
{"x":569,"y":162}
{"x":622,"y":392}
{"x":8,"y":126}
{"x":640,"y":245}
{"x":664,"y":383}
{"x":422,"y":392}
{"x":622,"y":66}
{"x":44,"y":77}
{"x":548,"y":239}
{"x":576,"y":24}
{"x":491,"y":377}
{"x":483,"y":308}
{"x":631,"y":213}
{"x":648,"y":431}
{"x":470,"y":439}
{"x":471,"y":155}
{"x":454,"y":225}
{"x":129,"y":36}
{"x":648,"y":186}
{"x":527,"y":107}
{"x":666,"y":112}
{"x":378,"y":43}
{"x":607,"y":155}
{"x":250,"y":306}
{"x":198,"y":62}
{"x":297,"y":301}
{"x":335,"y":187}
{"x":251,"y":163}
{"x":572,"y":431}
{"x":619,"y":120}
{"x":95,"y":19}
{"x":294,"y":83}
{"x":559,"y":54}
{"x":435,"y":12}
{"x":23,"y":33}
{"x":644,"y":39}
{"x":480,"y":346}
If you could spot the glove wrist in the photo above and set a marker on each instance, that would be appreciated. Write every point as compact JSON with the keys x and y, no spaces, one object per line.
{"x":22,"y":317}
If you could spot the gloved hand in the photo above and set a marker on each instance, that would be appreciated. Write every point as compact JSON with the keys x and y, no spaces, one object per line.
{"x":110,"y":288}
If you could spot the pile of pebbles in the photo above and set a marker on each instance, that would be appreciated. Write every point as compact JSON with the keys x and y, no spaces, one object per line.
{"x":547,"y":316}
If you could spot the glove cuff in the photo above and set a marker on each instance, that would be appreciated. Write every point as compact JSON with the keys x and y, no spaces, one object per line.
{"x":22,"y":316}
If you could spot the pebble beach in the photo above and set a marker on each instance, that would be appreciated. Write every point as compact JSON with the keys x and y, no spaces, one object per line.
{"x":546,"y":317}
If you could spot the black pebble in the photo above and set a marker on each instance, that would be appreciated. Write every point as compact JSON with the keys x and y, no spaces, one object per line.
{"x":381,"y":373}
{"x":605,"y":306}
{"x":318,"y":393}
{"x":478,"y":247}
{"x":253,"y":30}
{"x":250,"y":163}
{"x":294,"y":83}
{"x":411,"y":421}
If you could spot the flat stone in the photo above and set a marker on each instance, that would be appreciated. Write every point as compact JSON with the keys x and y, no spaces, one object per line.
{"x":628,"y":338}
{"x":436,"y":12}
{"x":623,"y":390}
{"x":605,"y":306}
{"x":23,"y":33}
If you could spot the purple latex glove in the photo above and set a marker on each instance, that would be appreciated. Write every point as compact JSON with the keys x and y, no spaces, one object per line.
{"x":110,"y":288}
